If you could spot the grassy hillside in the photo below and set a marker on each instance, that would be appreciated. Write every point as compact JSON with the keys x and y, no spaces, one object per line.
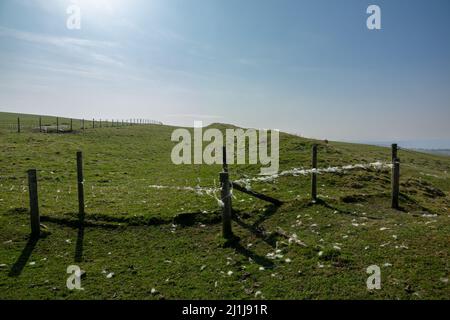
{"x":169,"y":239}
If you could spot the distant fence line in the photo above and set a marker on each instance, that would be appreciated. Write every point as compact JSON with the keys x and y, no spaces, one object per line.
{"x":56,"y":124}
{"x":226,"y":188}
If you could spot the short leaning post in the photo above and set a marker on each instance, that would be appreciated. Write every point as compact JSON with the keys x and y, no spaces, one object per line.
{"x":34,"y":206}
{"x":80,"y":183}
{"x":395,"y":183}
{"x":226,"y":205}
{"x":314,"y":174}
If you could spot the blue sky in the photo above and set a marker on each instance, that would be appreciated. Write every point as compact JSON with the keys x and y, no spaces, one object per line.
{"x":309,"y":67}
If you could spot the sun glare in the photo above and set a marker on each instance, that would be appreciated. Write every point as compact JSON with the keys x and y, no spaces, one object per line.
{"x":98,"y":6}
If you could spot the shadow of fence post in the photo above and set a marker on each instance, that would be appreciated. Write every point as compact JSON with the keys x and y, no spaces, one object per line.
{"x":81,"y":213}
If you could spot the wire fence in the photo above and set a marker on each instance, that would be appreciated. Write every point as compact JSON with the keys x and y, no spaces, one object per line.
{"x":111,"y":195}
{"x":48,"y":124}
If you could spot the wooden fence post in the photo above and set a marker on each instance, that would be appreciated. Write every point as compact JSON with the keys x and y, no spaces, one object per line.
{"x":93,"y":123}
{"x":80,"y":183}
{"x":224,"y":159}
{"x":18,"y":124}
{"x":57,"y":124}
{"x":395,"y":183}
{"x":314,"y":174}
{"x":40,"y":124}
{"x":34,"y":206}
{"x":71,"y":125}
{"x":394,"y":149}
{"x":226,"y":202}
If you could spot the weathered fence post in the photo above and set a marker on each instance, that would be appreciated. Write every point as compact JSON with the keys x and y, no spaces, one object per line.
{"x":226,"y":202}
{"x":18,"y":124}
{"x":71,"y":125}
{"x":80,"y":183}
{"x":314,"y":174}
{"x":57,"y":124}
{"x":394,"y":148}
{"x":93,"y":123}
{"x":82,"y":124}
{"x":395,"y":183}
{"x":40,"y":124}
{"x":224,"y":159}
{"x":34,"y":206}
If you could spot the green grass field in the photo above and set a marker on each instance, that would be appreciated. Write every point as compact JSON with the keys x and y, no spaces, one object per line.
{"x":170,"y":240}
